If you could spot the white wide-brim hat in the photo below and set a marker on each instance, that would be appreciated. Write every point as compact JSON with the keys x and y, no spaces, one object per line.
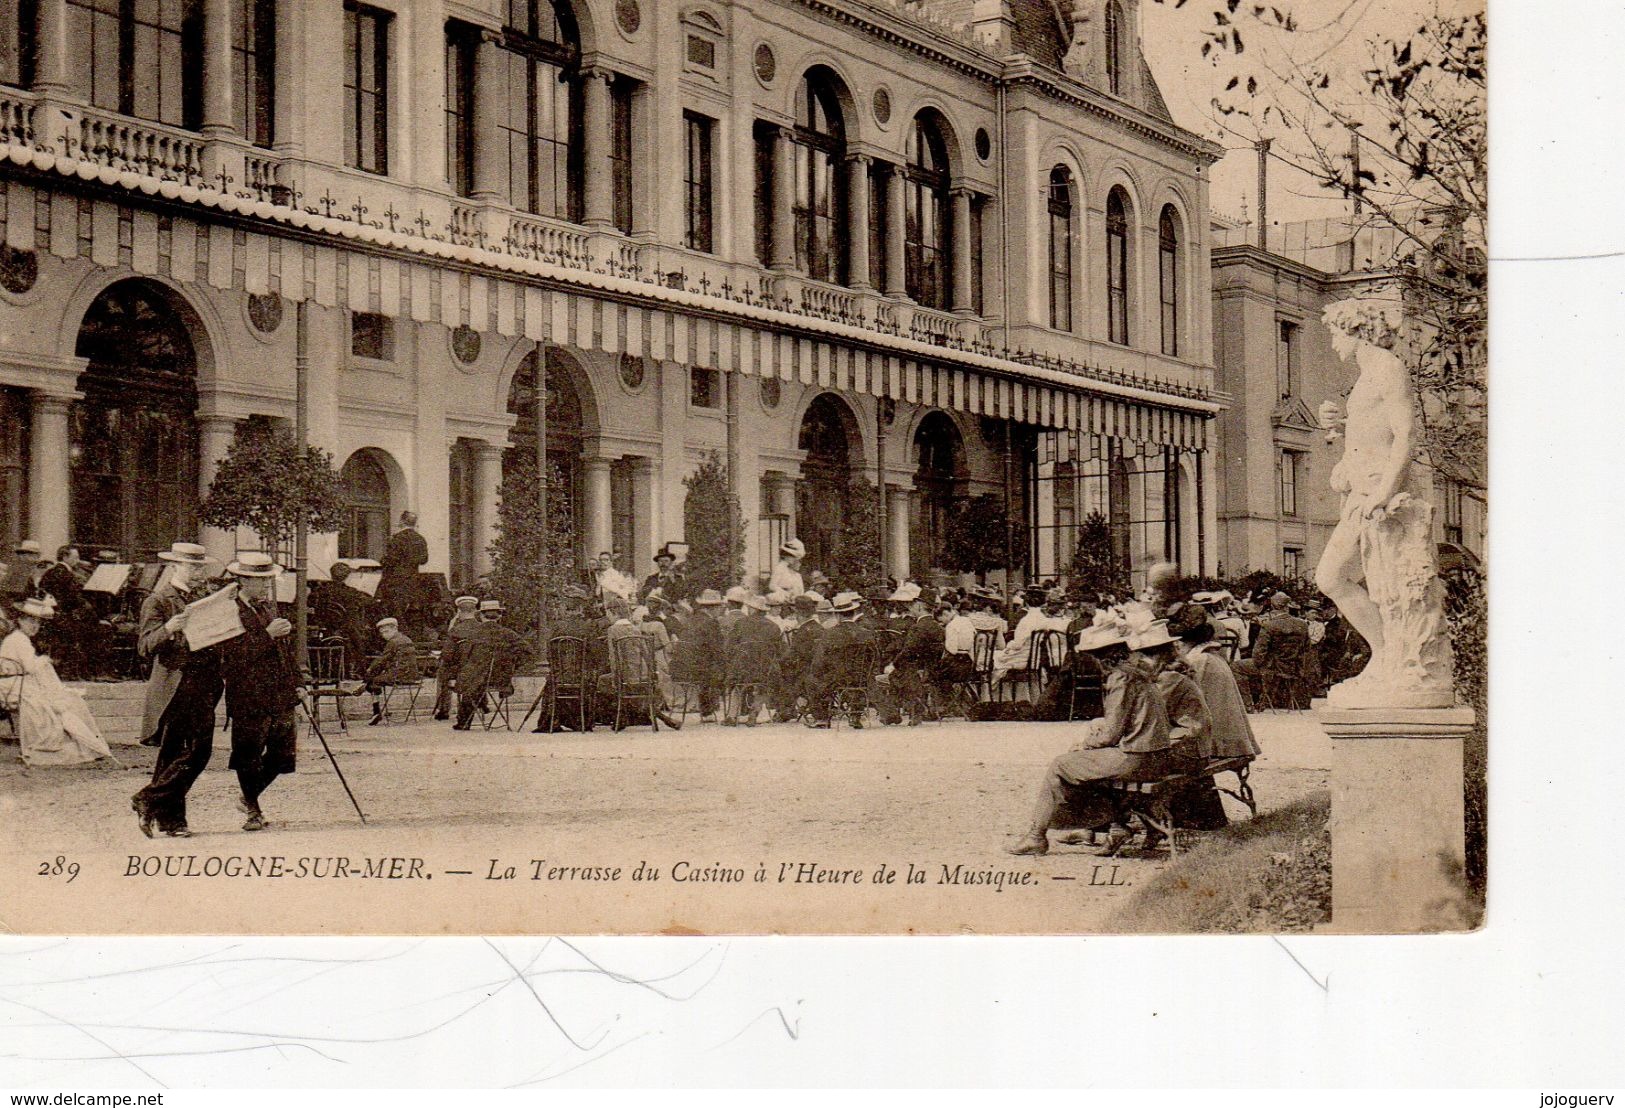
{"x":37,"y":608}
{"x":253,"y":565}
{"x":1100,"y":636}
{"x":1152,"y":636}
{"x":189,"y":552}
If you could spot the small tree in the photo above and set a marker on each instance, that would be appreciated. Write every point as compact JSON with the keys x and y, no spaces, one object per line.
{"x":1096,"y":568}
{"x":974,"y":539}
{"x":523,"y":565}
{"x":263,"y":484}
{"x":713,"y":527}
{"x":854,"y":557}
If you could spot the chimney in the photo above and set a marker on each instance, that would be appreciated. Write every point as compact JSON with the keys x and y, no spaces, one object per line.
{"x":1263,"y":148}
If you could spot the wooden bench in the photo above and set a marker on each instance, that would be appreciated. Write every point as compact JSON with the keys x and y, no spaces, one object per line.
{"x":1152,"y":800}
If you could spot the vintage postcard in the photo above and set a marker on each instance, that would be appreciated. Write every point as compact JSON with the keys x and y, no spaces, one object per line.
{"x":743,"y":466}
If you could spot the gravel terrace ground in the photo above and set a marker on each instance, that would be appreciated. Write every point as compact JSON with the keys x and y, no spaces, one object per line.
{"x":936,"y":796}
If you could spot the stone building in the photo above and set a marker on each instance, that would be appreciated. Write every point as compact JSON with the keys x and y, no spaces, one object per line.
{"x":942,"y":247}
{"x":1275,"y":366}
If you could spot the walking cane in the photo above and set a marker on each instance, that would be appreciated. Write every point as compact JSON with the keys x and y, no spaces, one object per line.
{"x":334,"y":762}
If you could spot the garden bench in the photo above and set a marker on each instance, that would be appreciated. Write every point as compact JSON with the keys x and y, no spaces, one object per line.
{"x":1152,"y":800}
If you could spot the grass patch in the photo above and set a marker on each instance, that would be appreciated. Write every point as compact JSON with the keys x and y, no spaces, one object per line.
{"x":1270,"y":874}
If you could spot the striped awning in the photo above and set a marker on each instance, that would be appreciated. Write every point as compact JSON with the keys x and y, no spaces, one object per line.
{"x":613,"y":316}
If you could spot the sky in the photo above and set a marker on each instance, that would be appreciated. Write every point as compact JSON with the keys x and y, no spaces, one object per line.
{"x":1340,"y":31}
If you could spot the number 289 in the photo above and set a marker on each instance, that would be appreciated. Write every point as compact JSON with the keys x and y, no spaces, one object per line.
{"x":59,"y":867}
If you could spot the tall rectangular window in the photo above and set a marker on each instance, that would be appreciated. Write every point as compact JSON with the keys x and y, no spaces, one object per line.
{"x":1289,"y":483}
{"x":878,"y":173}
{"x":764,"y":194}
{"x":1286,"y":360}
{"x":1117,"y":305}
{"x":139,"y":57}
{"x":542,"y":115}
{"x":17,"y":46}
{"x":253,"y":70}
{"x":366,"y":88}
{"x":461,"y":45}
{"x":978,"y":302}
{"x":1060,"y":249}
{"x":697,"y":182}
{"x":620,"y":153}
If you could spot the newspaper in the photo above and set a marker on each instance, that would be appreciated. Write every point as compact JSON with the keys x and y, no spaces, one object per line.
{"x":213,"y":619}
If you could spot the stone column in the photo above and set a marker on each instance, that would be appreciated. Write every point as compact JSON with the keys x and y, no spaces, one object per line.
{"x":490,"y":141}
{"x":598,"y":529}
{"x":896,"y":233}
{"x":784,"y":198}
{"x":645,"y":525}
{"x":486,"y":461}
{"x":215,"y":434}
{"x":1397,"y":822}
{"x":962,"y":252}
{"x":51,"y":46}
{"x":49,"y":472}
{"x":218,"y":91}
{"x":596,"y":138}
{"x":857,"y":235}
{"x":898,"y":499}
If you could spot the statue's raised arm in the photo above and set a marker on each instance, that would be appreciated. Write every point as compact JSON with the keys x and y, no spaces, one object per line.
{"x":1379,"y":564}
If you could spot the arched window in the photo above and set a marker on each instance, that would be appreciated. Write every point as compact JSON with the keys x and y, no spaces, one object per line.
{"x":926,"y":258}
{"x":365,"y":491}
{"x":1168,"y":279}
{"x":824,"y":492}
{"x":1060,"y":248}
{"x":133,"y":437}
{"x":820,"y":201}
{"x":1117,"y":305}
{"x":1114,"y":47}
{"x":542,"y":113}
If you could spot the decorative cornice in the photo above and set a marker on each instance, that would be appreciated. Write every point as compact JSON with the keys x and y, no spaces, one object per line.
{"x":304,"y":224}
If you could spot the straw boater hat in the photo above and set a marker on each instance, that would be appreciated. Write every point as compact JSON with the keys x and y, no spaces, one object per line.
{"x":253,"y":564}
{"x":466,"y":601}
{"x":1152,"y":636}
{"x":491,"y":606}
{"x":736,"y":595}
{"x":793,"y":548}
{"x":808,"y":602}
{"x":756,"y":603}
{"x":387,"y":621}
{"x":37,"y":608}
{"x":846,"y":602}
{"x":29,"y":546}
{"x":185,"y":552}
{"x":708,"y":598}
{"x":824,"y":607}
{"x":907,"y":593}
{"x":778,"y":598}
{"x":1100,"y":636}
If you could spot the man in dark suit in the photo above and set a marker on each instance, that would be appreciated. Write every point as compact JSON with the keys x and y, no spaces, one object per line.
{"x":670,"y":580}
{"x":182,"y":693}
{"x":344,"y":611}
{"x":406,"y":553}
{"x":463,"y":622}
{"x":64,"y":581}
{"x":397,"y":665}
{"x":838,"y":663}
{"x":923,"y":637}
{"x":262,"y":691}
{"x":753,"y":648}
{"x":1277,"y":650}
{"x":492,"y":654}
{"x":699,"y":655}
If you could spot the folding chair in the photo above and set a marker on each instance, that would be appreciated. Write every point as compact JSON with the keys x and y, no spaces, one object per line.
{"x":329,"y":679}
{"x":632,"y":672}
{"x":407,"y":689}
{"x":493,"y":703}
{"x":11,"y":693}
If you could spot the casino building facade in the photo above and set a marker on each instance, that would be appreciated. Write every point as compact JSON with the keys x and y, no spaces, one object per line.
{"x":935,"y":248}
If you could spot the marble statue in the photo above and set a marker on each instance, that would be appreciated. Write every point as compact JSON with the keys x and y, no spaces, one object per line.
{"x":1379,"y":565}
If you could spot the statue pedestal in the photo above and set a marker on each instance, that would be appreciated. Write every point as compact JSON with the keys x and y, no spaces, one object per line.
{"x":1397,"y":819}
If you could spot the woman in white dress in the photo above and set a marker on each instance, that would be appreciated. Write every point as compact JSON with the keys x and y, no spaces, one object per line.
{"x":53,"y":723}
